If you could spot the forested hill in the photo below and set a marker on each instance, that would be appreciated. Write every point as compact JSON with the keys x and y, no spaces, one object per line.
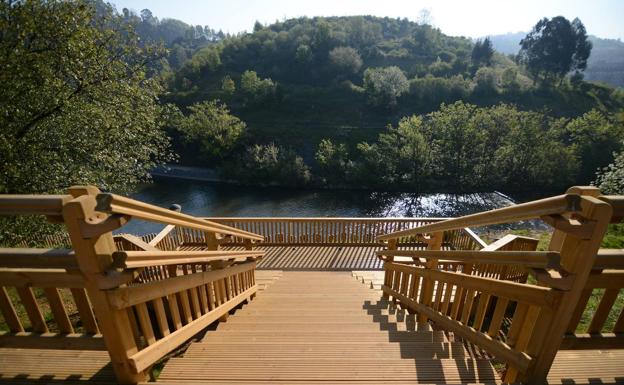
{"x":605,"y":64}
{"x":301,"y":80}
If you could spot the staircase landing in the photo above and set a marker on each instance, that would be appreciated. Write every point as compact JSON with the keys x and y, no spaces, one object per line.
{"x":311,"y":327}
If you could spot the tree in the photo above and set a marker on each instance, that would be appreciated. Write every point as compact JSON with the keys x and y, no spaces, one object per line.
{"x":486,"y":80}
{"x":482,"y":53}
{"x":333,"y":161}
{"x":593,"y":138}
{"x":385,"y":85}
{"x":256,"y":89}
{"x":227,"y":85}
{"x":345,"y":59}
{"x":554,"y":48}
{"x":400,"y":157}
{"x":610,"y":179}
{"x":76,"y":106}
{"x":211,"y":126}
{"x":272,"y":164}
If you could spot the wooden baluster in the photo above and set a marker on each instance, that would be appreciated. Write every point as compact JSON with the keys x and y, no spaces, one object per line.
{"x":58,"y":310}
{"x":434,"y":243}
{"x":389,"y":273}
{"x":32,"y":309}
{"x":8,"y":312}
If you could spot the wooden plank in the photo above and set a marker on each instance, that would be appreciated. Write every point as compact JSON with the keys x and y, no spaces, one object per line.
{"x":145,"y":323}
{"x":137,"y":259}
{"x":131,"y":295}
{"x":40,"y":278}
{"x":145,"y":357}
{"x":58,"y":310}
{"x":497,"y":317}
{"x":602,"y":312}
{"x":37,"y":258}
{"x":75,"y":341}
{"x":533,"y":259}
{"x":33,"y":311}
{"x":8,"y":312}
{"x":497,"y":348}
{"x":85,"y":310}
{"x":534,"y":295}
{"x":32,"y":204}
{"x":593,"y":341}
{"x":161,"y":316}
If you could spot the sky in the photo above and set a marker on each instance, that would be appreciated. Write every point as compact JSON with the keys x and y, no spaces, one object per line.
{"x":473,"y":18}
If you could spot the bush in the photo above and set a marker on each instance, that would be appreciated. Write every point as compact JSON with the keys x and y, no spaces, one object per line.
{"x":345,"y":59}
{"x":270,"y":164}
{"x":384,"y":85}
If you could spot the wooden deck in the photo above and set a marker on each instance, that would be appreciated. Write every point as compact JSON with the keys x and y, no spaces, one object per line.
{"x":325,"y":326}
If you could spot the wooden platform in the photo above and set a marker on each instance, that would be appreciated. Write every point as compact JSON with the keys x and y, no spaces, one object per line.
{"x":311,"y":327}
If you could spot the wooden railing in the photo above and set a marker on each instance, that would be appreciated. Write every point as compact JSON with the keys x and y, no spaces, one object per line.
{"x":338,"y":231}
{"x":133,"y":299}
{"x":474,"y":306}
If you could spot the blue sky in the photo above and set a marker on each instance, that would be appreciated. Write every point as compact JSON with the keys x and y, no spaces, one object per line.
{"x":474,"y":18}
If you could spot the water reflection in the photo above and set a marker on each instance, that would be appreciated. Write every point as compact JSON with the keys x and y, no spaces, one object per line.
{"x":215,"y":199}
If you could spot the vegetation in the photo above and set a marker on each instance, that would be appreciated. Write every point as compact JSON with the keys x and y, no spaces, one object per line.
{"x":555,"y":47}
{"x":77,"y":106}
{"x":324,"y":89}
{"x":302,"y":101}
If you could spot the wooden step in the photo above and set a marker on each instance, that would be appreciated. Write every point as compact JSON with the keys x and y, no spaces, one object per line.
{"x":375,"y":351}
{"x":320,"y":327}
{"x":421,"y":371}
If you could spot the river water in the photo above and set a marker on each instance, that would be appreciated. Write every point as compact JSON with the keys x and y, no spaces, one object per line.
{"x":226,"y":200}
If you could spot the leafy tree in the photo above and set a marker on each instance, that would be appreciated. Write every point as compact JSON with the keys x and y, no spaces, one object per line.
{"x":255,"y":88}
{"x":610,"y":179}
{"x":555,"y":47}
{"x":333,"y":162}
{"x":76,"y":107}
{"x":593,"y":138}
{"x":211,"y":125}
{"x":228,"y":86}
{"x":384,"y":85}
{"x":400,"y":157}
{"x":345,"y":59}
{"x":272,"y":164}
{"x":482,"y":53}
{"x":509,"y":80}
{"x":303,"y":54}
{"x":486,"y":81}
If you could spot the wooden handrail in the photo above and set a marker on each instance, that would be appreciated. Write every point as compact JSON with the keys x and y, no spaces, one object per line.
{"x":115,"y":204}
{"x":38,"y":258}
{"x":548,"y":206}
{"x":617,"y":204}
{"x":33,"y":204}
{"x":475,"y":237}
{"x":534,"y":259}
{"x":162,"y":235}
{"x":609,"y":259}
{"x":325,"y":219}
{"x":137,"y":259}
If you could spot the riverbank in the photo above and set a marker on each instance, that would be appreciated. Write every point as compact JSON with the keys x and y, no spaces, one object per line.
{"x":188,"y":173}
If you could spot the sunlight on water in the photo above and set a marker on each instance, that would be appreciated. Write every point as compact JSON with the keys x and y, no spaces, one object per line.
{"x":224,"y":200}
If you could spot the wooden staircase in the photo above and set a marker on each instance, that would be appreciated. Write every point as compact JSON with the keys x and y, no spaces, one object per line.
{"x":312,"y":327}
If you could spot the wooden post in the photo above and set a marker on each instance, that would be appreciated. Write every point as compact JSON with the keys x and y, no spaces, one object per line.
{"x":577,"y":257}
{"x":434,"y":243}
{"x":392,"y":245}
{"x":94,"y":257}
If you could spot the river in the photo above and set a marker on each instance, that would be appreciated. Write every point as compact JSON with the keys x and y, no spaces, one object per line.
{"x":228,"y":200}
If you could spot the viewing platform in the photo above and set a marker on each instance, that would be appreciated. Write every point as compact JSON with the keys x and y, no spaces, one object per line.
{"x":311,"y":300}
